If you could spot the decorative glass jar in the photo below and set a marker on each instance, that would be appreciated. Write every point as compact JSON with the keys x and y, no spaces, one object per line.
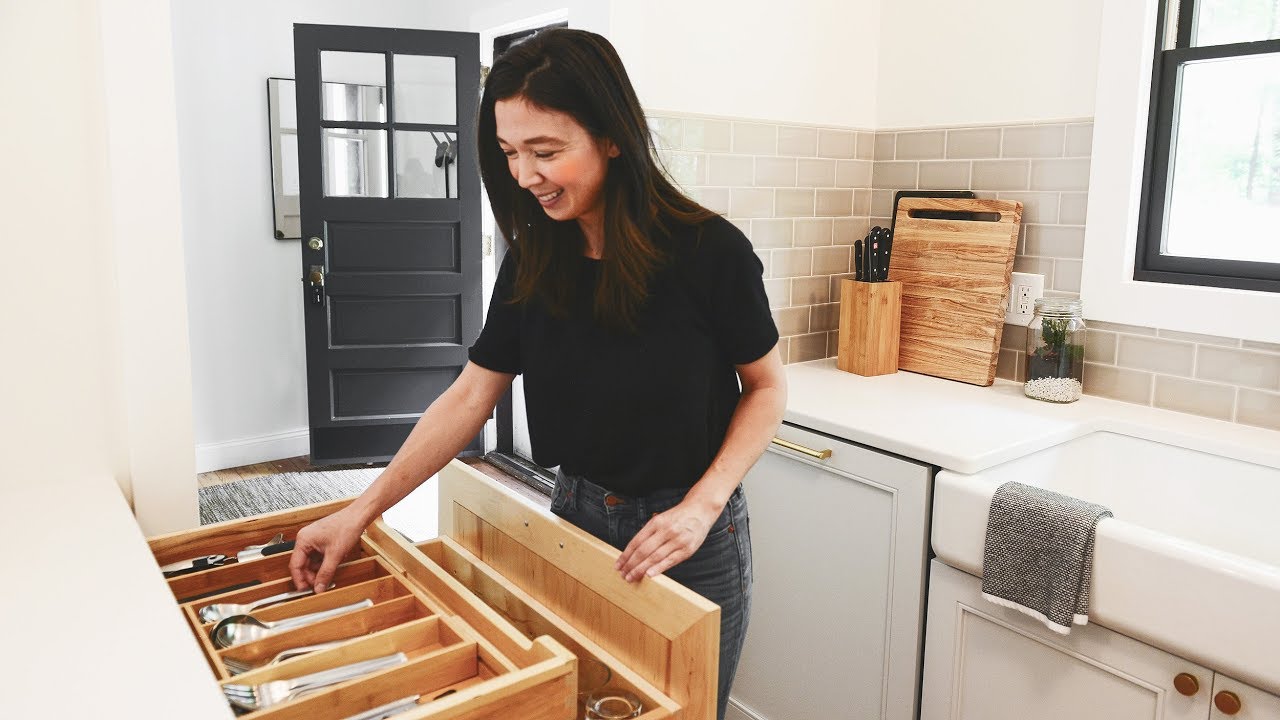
{"x":1055,"y":351}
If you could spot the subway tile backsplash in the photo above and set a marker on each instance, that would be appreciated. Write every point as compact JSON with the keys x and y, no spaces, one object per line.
{"x":803,"y":194}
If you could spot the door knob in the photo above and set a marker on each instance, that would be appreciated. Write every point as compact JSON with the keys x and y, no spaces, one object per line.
{"x":1227,"y":702}
{"x":1186,"y":683}
{"x":315,"y":243}
{"x":315,"y":280}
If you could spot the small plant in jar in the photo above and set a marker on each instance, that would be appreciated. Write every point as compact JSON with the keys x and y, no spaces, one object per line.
{"x":1055,"y":351}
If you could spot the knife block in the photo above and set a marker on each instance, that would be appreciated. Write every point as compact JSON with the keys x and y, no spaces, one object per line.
{"x":870,"y":318}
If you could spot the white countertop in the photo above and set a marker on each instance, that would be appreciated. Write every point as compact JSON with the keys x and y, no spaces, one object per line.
{"x":91,"y":628}
{"x":966,"y":428}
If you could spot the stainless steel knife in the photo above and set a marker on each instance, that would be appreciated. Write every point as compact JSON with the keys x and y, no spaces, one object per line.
{"x":196,"y":564}
{"x":205,"y":562}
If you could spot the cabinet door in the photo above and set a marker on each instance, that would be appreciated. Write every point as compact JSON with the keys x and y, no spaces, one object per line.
{"x":985,"y":662}
{"x":839,"y":551}
{"x":1254,"y":704}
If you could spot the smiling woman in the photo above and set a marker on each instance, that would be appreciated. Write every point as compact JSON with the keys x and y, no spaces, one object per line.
{"x":558,"y":161}
{"x":639,"y":322}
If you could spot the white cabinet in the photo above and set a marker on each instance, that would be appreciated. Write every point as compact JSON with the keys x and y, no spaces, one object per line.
{"x":840,"y":552}
{"x":1253,"y":704}
{"x":985,"y":662}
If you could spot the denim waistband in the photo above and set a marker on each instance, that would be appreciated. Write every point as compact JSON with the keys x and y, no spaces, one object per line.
{"x":593,"y":495}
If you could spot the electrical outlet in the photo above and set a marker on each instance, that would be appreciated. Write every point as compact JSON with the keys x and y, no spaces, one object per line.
{"x":1024,"y":289}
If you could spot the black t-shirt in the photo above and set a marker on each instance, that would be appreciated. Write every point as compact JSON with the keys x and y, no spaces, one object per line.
{"x":637,"y":412}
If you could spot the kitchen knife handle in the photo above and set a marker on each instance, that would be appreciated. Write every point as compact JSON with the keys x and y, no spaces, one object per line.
{"x":278,"y":548}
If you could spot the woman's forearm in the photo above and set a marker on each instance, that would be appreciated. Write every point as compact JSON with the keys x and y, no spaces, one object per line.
{"x":754,"y":423}
{"x":442,"y":432}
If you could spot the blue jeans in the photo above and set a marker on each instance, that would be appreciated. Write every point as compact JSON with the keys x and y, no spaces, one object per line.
{"x":720,"y":570}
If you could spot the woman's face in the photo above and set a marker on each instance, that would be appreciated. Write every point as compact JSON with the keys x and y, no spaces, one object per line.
{"x":554,"y":158}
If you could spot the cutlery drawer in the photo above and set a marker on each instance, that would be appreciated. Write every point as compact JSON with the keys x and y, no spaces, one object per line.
{"x":484,"y":634}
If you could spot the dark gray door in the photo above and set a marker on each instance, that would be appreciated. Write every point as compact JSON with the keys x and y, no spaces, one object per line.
{"x":390,"y":205}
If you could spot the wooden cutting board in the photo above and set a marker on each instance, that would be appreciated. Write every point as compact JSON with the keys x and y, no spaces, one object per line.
{"x":955,"y":277}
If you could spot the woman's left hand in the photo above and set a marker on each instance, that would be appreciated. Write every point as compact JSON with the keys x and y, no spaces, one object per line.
{"x":668,"y":539}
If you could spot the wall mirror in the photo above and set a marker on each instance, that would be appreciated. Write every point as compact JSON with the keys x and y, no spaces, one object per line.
{"x":283,"y":120}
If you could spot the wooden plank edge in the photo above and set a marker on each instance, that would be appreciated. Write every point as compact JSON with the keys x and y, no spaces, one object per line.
{"x":421,"y":570}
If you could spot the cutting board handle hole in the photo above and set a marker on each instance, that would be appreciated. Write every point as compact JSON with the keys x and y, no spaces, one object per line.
{"x":926,"y":214}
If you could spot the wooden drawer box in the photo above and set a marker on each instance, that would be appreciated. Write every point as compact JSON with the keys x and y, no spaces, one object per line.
{"x":510,"y":613}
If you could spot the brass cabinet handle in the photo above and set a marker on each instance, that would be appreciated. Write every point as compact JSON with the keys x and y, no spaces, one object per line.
{"x":1227,"y":702}
{"x":1186,"y":683}
{"x":819,"y":454}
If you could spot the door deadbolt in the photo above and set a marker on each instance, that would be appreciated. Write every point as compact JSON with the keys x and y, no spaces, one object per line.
{"x":315,"y":243}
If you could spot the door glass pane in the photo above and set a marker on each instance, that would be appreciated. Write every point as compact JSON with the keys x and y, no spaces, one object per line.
{"x":425,"y":91}
{"x":1219,"y":22}
{"x":1225,"y":188}
{"x":355,"y":163}
{"x":353,"y":86}
{"x":426,"y":164}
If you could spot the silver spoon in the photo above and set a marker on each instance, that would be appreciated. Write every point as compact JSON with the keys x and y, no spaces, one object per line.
{"x":238,"y":629}
{"x":217,"y":611}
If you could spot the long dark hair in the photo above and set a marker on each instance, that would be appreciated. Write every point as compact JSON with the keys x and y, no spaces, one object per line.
{"x":580,"y":74}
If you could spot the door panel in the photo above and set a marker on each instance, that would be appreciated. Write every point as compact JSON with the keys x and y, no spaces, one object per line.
{"x":987,"y":662}
{"x":839,"y":547}
{"x":391,"y":250}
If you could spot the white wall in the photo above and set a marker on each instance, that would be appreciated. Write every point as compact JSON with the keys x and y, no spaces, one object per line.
{"x":243,"y":287}
{"x":805,"y":61}
{"x":996,"y":61}
{"x":96,"y":378}
{"x":485,"y":15}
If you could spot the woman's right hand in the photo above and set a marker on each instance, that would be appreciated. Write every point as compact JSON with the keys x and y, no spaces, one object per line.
{"x":321,"y":546}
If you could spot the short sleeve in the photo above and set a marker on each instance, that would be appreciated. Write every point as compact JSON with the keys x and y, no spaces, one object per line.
{"x":498,"y":347}
{"x":740,"y":314}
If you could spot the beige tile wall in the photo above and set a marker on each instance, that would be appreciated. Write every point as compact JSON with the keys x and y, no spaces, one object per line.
{"x":1046,"y":167}
{"x":803,"y":194}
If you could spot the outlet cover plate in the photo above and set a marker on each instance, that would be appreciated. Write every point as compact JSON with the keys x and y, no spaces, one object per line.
{"x":1024,"y":289}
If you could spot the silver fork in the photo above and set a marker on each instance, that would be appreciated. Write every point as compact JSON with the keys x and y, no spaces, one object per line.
{"x":268,"y":694}
{"x":237,"y":667}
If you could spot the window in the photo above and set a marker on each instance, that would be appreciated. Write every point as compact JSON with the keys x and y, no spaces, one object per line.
{"x":1210,"y":212}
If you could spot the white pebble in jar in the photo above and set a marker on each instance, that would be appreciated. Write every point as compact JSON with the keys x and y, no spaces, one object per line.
{"x":1052,"y":389}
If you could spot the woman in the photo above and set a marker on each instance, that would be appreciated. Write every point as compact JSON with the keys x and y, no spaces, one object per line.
{"x":633,"y":313}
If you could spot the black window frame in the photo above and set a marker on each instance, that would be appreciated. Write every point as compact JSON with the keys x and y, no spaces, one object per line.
{"x":1149,"y":263}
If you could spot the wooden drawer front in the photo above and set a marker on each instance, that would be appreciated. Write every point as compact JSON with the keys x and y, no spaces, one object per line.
{"x":668,"y":635}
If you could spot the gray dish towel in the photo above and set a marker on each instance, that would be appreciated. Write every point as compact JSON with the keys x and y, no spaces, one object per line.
{"x":1039,"y":554}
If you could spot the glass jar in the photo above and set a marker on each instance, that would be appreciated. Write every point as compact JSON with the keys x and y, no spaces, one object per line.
{"x":613,"y":704}
{"x":1055,"y":351}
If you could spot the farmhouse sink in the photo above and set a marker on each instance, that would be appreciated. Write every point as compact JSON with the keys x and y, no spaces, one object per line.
{"x":1191,"y":561}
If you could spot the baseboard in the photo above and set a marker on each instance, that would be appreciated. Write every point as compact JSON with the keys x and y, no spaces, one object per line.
{"x":738,"y":711}
{"x":249,"y":451}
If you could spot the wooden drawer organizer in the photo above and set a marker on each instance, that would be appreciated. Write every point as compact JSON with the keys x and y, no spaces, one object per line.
{"x":497,"y":615}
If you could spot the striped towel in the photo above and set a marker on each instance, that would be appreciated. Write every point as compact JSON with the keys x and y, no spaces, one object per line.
{"x":1039,"y":554}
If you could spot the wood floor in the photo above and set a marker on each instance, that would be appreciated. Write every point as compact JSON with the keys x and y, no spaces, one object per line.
{"x":297,"y":464}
